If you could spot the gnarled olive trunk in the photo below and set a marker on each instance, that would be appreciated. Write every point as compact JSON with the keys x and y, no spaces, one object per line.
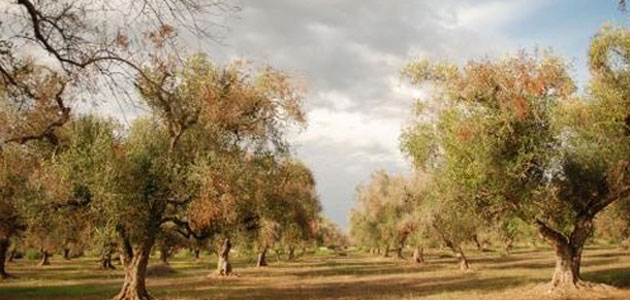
{"x":455,"y":247}
{"x":223,"y":266}
{"x":135,"y":264}
{"x":291,"y":254}
{"x":507,"y":245}
{"x":568,"y":252}
{"x":418,"y":255}
{"x":164,"y":254}
{"x":4,"y":246}
{"x":399,"y":252}
{"x":567,"y":271}
{"x":106,"y":263}
{"x":463,"y":261}
{"x":45,"y":258}
{"x":478,"y":243}
{"x":262,"y":260}
{"x":12,"y":253}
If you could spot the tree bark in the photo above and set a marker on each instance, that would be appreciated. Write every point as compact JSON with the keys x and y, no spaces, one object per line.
{"x":196,"y":253}
{"x":164,"y":256}
{"x":262,"y":260}
{"x":4,"y":246}
{"x":45,"y":261}
{"x":386,"y":251}
{"x":479,"y":244}
{"x":135,"y":264}
{"x":399,"y":252}
{"x":568,"y":252}
{"x":507,"y":245}
{"x":12,"y":255}
{"x":106,"y":263}
{"x":223,"y":267}
{"x":463,"y":261}
{"x":66,"y":253}
{"x":418,"y":255}
{"x":291,"y":255}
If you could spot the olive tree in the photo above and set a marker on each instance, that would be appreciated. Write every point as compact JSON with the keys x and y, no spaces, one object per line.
{"x":513,"y":135}
{"x":184,"y":166}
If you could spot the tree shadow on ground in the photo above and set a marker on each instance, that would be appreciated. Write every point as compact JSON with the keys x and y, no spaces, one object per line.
{"x":618,"y":277}
{"x":363,"y":289}
{"x":548,"y":264}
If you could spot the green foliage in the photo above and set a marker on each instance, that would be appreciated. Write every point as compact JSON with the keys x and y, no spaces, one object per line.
{"x":32,"y":254}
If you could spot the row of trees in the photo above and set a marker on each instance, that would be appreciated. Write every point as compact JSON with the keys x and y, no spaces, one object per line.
{"x":208,"y":163}
{"x":506,"y":146}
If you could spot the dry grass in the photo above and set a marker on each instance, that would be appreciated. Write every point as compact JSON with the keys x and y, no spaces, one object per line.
{"x":521,"y":276}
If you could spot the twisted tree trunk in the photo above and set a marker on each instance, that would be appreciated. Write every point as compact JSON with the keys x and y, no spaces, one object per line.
{"x":568,"y":252}
{"x":45,"y":261}
{"x":4,"y":246}
{"x":463,"y":261}
{"x":262,"y":260}
{"x":106,"y":262}
{"x":507,"y":243}
{"x":12,"y":255}
{"x":399,"y":252}
{"x":135,"y":264}
{"x":418,"y":255}
{"x":164,"y":254}
{"x":291,"y":255}
{"x":480,"y":246}
{"x":223,"y":266}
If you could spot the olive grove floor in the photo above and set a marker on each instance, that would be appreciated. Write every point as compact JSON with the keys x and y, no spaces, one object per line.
{"x":353,"y":276}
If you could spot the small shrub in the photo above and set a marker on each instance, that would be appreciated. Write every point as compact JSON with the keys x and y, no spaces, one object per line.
{"x":32,"y":254}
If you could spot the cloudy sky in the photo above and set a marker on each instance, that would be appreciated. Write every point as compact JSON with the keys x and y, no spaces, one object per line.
{"x":350,"y":53}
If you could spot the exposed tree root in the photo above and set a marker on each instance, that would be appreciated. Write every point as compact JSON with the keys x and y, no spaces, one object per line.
{"x":579,"y":286}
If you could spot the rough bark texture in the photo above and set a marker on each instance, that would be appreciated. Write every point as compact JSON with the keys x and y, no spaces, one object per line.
{"x":66,"y":253}
{"x":4,"y":246}
{"x":45,"y":261}
{"x":223,"y":267}
{"x":135,"y":264}
{"x":568,"y":252}
{"x":418,"y":255}
{"x":262,"y":260}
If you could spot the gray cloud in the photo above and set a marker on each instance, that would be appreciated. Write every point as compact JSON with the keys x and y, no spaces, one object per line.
{"x":350,"y":52}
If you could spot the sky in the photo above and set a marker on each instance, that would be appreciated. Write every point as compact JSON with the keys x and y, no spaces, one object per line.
{"x":350,"y":54}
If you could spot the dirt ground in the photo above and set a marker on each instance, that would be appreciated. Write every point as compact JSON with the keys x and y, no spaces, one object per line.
{"x":520,"y":276}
